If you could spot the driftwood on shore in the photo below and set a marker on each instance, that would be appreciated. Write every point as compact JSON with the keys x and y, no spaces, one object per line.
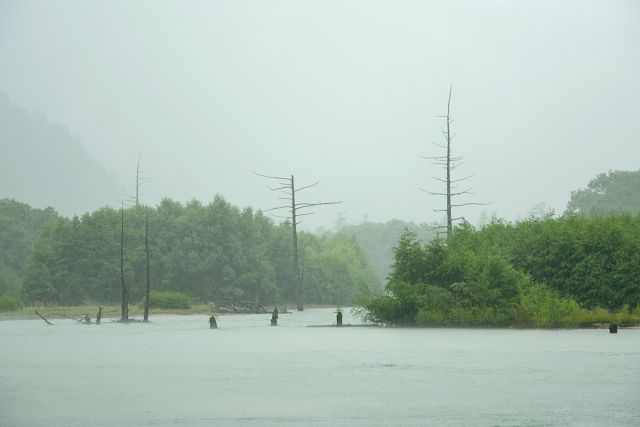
{"x":235,"y":305}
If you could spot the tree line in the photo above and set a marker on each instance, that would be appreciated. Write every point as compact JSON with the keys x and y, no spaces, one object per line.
{"x":538,"y":272}
{"x":207,"y":251}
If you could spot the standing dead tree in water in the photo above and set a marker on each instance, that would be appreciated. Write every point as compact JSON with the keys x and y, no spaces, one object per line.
{"x":449,"y":163}
{"x":146,"y":251}
{"x":124,"y":315}
{"x":287,"y":187}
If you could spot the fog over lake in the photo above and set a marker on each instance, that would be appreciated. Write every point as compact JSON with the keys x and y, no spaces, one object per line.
{"x":176,"y":371}
{"x":545,"y":96}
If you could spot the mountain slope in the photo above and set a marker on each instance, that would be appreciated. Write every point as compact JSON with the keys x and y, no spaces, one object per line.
{"x":44,"y":165}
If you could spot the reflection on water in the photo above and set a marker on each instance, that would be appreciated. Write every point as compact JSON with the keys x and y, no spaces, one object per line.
{"x":175,"y":371}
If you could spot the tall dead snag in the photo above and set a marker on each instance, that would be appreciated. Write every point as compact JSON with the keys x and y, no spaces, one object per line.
{"x":146,"y":250}
{"x":287,"y":187}
{"x":125,"y":292}
{"x":140,"y":181}
{"x":449,"y":163}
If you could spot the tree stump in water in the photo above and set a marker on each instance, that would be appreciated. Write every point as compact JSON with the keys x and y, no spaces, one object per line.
{"x":212,"y":323}
{"x":274,"y":320}
{"x":613,"y":328}
{"x":99,"y":315}
{"x":339,"y":319}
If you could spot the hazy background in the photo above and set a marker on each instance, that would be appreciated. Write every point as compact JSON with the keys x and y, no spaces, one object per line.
{"x":546,"y":94}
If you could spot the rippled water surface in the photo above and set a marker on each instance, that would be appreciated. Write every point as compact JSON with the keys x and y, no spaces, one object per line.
{"x":177,"y":372}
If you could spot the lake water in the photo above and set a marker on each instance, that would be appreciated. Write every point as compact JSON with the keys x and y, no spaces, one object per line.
{"x":177,"y":372}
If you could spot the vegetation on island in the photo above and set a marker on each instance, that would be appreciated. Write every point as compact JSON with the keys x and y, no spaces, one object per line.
{"x":541,"y":272}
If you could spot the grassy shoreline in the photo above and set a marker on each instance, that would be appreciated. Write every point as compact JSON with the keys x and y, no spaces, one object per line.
{"x":107,"y":311}
{"x":585,"y":319}
{"x":113,"y":311}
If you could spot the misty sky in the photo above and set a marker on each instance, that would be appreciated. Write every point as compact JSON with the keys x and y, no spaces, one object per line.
{"x":546,"y":94}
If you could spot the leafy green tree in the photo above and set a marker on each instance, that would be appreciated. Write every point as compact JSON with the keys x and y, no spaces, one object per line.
{"x":205,"y":251}
{"x":613,"y":192}
{"x":20,"y":228}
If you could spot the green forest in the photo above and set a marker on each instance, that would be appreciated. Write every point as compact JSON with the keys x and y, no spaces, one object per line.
{"x":577,"y":269}
{"x":207,"y":252}
{"x":545,"y":271}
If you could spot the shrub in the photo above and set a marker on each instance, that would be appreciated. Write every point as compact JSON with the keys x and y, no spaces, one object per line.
{"x":169,"y":300}
{"x":8,"y":303}
{"x":543,"y":307}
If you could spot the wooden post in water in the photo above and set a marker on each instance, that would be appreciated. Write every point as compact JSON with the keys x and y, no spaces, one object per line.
{"x":99,"y":315}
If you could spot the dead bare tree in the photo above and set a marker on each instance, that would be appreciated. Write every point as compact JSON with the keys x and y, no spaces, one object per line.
{"x":449,"y":163}
{"x":141,"y":179}
{"x":286,"y":186}
{"x":146,"y":250}
{"x":124,"y":317}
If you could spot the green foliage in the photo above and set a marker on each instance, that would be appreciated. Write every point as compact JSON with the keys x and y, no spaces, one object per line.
{"x":205,"y":251}
{"x":613,"y":192}
{"x":540,"y":306}
{"x":168,"y":300}
{"x":8,"y":303}
{"x":20,"y":228}
{"x":536,"y":273}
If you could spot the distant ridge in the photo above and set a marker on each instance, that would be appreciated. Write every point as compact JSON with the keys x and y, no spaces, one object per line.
{"x":42,"y":164}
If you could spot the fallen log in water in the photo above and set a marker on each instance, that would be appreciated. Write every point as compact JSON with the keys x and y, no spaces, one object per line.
{"x":43,"y":318}
{"x":69,"y":317}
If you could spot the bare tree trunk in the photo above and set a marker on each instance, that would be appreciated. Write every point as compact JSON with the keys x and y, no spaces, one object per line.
{"x":287,"y":186}
{"x":124,"y":309}
{"x":296,"y":261}
{"x":449,"y":163}
{"x":138,"y":182}
{"x":448,"y":138}
{"x":146,"y":247}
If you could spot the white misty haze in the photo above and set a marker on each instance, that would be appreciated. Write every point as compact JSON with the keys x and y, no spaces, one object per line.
{"x":546,"y":95}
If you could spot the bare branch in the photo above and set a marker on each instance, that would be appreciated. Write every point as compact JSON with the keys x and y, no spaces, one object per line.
{"x":309,"y":205}
{"x":308,"y":186}
{"x":462,"y":179}
{"x":271,"y":177}
{"x":471,"y":203}
{"x":278,"y":207}
{"x":431,"y":192}
{"x":280,"y":216}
